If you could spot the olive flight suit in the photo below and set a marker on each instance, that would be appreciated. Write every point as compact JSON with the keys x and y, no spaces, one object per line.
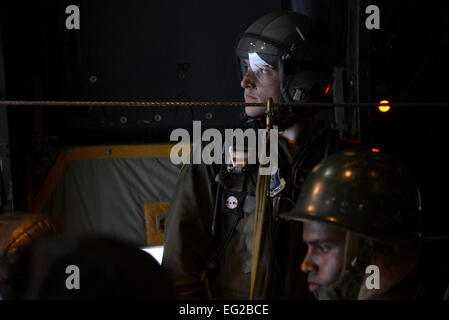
{"x":190,"y":245}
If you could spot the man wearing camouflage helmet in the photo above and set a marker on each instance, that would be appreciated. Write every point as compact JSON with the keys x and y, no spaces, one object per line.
{"x":361,"y":215}
{"x":210,"y":221}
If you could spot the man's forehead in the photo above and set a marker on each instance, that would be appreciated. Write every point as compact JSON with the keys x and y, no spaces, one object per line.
{"x":317,"y":231}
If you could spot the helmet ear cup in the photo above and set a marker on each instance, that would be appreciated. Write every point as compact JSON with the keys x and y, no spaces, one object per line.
{"x":300,"y":84}
{"x":301,"y":94}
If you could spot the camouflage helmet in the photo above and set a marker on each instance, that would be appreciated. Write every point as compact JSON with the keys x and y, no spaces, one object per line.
{"x":365,"y":192}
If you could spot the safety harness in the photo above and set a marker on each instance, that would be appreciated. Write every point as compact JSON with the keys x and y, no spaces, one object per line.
{"x":232,"y":201}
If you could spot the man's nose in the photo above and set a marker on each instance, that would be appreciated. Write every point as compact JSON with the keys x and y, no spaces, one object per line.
{"x":307,"y":264}
{"x":247,"y":81}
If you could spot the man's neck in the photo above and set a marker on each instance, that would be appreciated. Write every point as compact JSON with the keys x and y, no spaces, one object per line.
{"x":301,"y":132}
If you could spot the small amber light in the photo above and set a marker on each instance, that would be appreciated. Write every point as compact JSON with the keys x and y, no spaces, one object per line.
{"x":384,"y":107}
{"x":375,"y":150}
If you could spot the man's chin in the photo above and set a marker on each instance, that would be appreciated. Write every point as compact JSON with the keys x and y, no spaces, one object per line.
{"x":255,"y":111}
{"x":314,"y":287}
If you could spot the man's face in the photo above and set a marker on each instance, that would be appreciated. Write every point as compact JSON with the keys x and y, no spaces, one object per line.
{"x":325,"y":255}
{"x":260,"y":83}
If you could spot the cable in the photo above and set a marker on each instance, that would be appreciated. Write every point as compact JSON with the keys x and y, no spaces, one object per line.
{"x":212,"y":104}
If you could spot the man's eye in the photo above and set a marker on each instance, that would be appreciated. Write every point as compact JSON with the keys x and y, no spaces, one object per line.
{"x":322,"y":249}
{"x":262,"y":70}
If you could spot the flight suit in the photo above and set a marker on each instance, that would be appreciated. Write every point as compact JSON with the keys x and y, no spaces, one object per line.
{"x":189,"y":243}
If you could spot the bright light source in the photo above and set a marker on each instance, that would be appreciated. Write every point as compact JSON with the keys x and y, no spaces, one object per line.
{"x":375,"y":150}
{"x":156,"y":252}
{"x":328,"y":89}
{"x":384,"y":107}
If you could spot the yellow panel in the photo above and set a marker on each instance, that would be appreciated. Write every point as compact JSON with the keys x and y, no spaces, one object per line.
{"x":119,"y":152}
{"x":38,"y":202}
{"x":151,"y":213}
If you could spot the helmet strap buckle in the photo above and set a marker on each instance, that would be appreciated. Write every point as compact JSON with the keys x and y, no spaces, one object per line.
{"x":299,"y":94}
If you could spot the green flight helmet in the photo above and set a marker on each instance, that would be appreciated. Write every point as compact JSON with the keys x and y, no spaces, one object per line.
{"x":365,"y":192}
{"x":300,"y":49}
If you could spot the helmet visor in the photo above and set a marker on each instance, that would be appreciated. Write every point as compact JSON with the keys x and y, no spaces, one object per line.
{"x":254,"y":64}
{"x":267,"y":51}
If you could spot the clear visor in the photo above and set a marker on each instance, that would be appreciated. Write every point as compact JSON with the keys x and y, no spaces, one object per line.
{"x":257,"y":55}
{"x":269,"y":52}
{"x":255,"y":64}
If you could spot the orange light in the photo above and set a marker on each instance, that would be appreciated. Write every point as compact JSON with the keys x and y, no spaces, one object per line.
{"x":328,"y":88}
{"x":384,"y":107}
{"x":375,"y":150}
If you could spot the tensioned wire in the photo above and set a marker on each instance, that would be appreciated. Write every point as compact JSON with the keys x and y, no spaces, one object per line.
{"x":214,"y":104}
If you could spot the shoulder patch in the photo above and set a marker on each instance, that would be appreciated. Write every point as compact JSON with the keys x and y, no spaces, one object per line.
{"x":277,"y":184}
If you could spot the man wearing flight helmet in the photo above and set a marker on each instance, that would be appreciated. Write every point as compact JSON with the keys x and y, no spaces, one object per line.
{"x":210,"y":221}
{"x":288,"y":58}
{"x":361,"y":216}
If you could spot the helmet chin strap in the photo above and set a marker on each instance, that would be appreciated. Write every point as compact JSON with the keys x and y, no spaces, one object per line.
{"x":257,"y":122}
{"x":283,"y":119}
{"x":358,"y":252}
